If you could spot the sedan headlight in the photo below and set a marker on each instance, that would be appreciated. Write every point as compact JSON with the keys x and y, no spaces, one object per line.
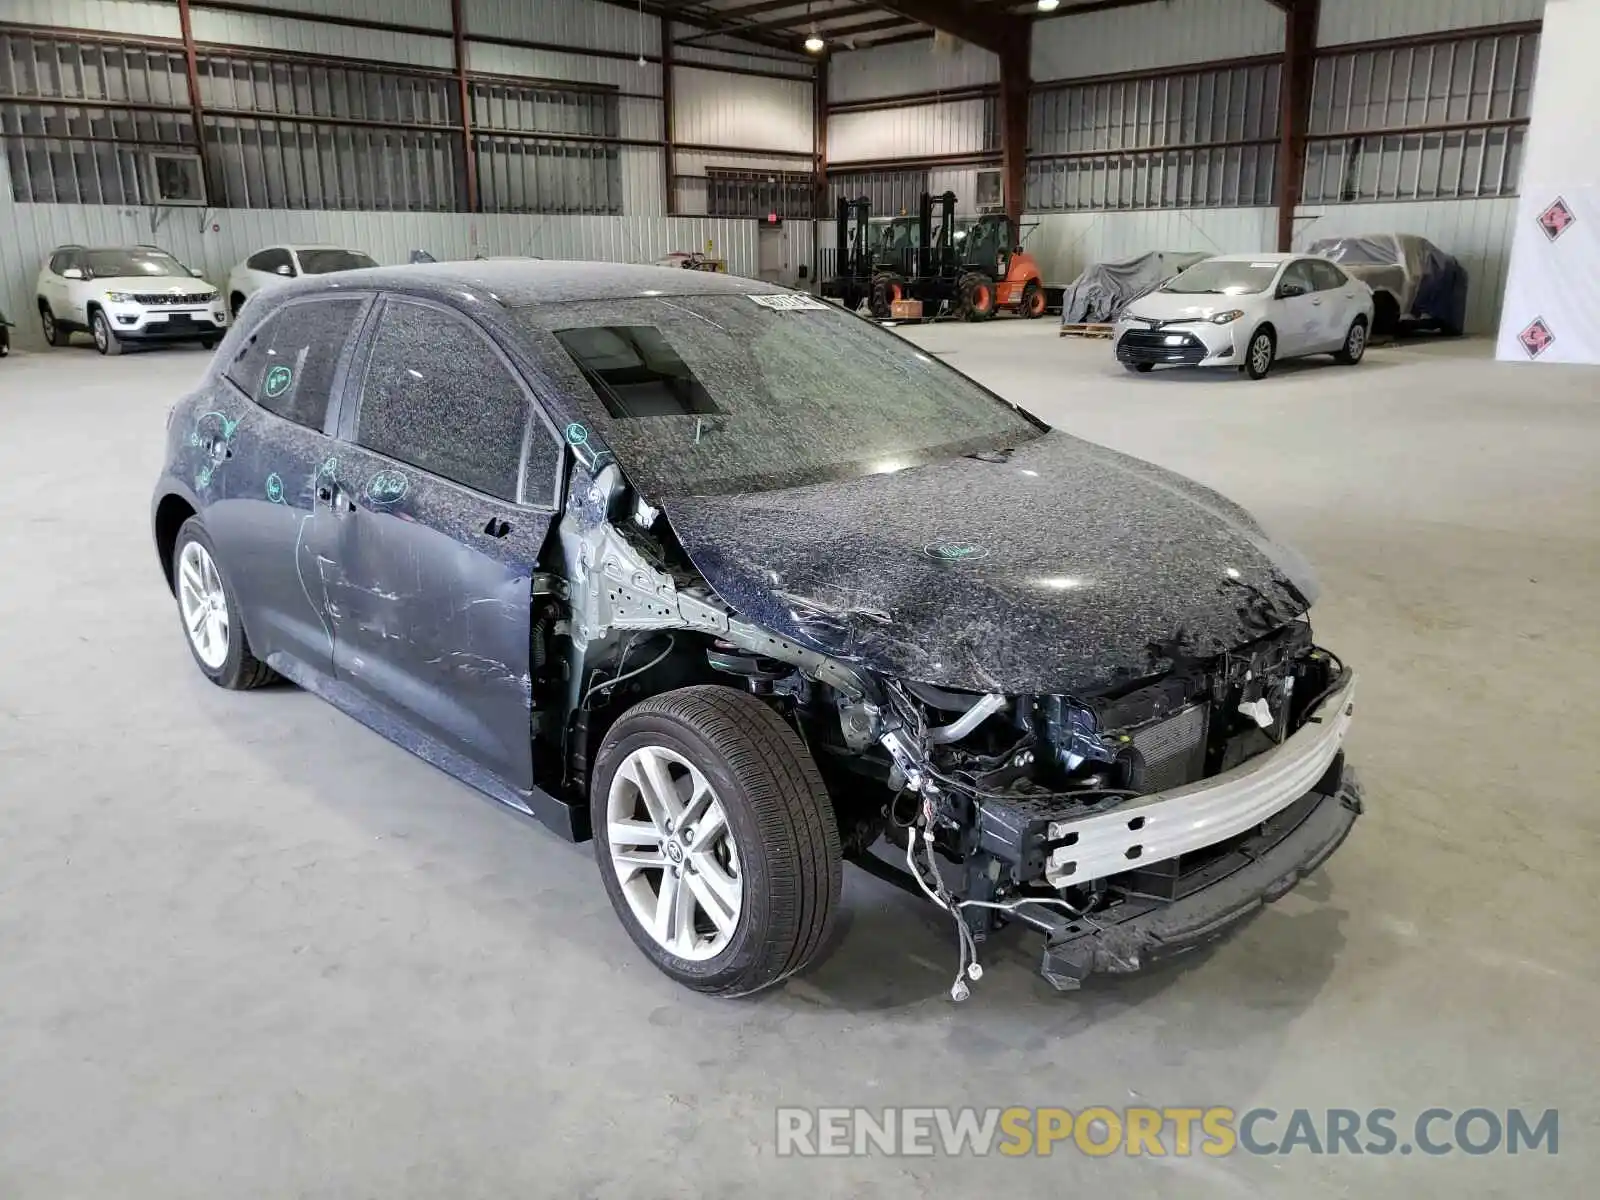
{"x":120,"y":297}
{"x":1227,"y":318}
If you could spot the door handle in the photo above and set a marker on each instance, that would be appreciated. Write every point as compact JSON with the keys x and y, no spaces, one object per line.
{"x":1318,"y":303}
{"x":336,"y":498}
{"x":496,"y":528}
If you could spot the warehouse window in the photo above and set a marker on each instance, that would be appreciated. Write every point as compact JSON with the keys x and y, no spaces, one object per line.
{"x":293,"y":164}
{"x":1200,"y":138}
{"x":534,"y":153}
{"x":81,"y":119}
{"x":1444,"y":120}
{"x":760,"y":193}
{"x":891,"y":192}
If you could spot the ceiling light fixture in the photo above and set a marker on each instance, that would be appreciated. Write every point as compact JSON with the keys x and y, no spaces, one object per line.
{"x":814,"y":43}
{"x":1049,"y":5}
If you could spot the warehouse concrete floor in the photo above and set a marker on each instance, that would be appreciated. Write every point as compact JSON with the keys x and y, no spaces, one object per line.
{"x":247,"y":948}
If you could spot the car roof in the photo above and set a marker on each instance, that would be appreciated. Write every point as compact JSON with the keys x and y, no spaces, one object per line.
{"x":517,"y":282}
{"x":1266,"y":256}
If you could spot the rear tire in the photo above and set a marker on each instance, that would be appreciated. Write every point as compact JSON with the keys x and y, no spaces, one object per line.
{"x":1033,"y":300}
{"x":976,"y":294}
{"x":773,"y":843}
{"x":197,"y":575}
{"x":105,"y":338}
{"x":1355,"y":344}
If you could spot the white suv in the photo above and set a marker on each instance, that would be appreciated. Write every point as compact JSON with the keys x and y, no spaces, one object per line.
{"x":126,"y":294}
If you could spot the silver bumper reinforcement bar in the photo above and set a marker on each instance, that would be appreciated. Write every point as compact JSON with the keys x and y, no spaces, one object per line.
{"x":1155,"y":828}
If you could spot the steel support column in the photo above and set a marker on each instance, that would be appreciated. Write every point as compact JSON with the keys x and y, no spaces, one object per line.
{"x":1294,"y":97}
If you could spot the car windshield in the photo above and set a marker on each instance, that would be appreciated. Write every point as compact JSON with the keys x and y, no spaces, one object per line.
{"x":1224,"y":277}
{"x":115,"y":264}
{"x":325,"y":262}
{"x":705,"y":395}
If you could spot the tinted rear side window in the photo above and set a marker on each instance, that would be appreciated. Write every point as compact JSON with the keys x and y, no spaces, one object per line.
{"x":437,"y":396}
{"x":287,"y":364}
{"x":1328,"y":276}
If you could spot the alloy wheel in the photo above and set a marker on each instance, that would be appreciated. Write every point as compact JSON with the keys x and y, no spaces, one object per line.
{"x":1356,"y":344}
{"x":101,"y":336}
{"x":204,"y":605}
{"x":1261,"y":353}
{"x":674,"y":854}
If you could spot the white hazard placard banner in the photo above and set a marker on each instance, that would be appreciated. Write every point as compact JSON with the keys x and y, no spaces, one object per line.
{"x":1552,"y":303}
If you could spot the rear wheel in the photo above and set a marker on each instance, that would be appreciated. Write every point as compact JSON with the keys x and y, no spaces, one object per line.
{"x":716,"y":840}
{"x":1355,"y":343}
{"x":976,"y":293}
{"x":210,"y":614}
{"x":1033,"y":299}
{"x":105,"y":340}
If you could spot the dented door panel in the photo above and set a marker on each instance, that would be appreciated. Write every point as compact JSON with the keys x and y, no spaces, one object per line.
{"x":429,"y":595}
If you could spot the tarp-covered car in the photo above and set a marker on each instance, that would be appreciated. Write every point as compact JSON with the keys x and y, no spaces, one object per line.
{"x":744,"y":586}
{"x":1412,"y":280}
{"x":1105,"y":288}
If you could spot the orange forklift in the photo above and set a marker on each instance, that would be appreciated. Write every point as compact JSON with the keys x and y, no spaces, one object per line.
{"x":972,"y":266}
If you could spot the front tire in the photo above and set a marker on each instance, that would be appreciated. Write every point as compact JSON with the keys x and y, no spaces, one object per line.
{"x":1139,"y":368}
{"x":209,"y":613}
{"x":886,"y":289}
{"x":1033,"y":300}
{"x":235,"y":304}
{"x":1261,"y":354}
{"x":105,"y":339}
{"x":53,"y":334}
{"x":976,"y":293}
{"x":716,"y":840}
{"x":208,"y":343}
{"x":1355,"y":344}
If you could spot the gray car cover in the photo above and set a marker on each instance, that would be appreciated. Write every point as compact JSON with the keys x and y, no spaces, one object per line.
{"x":1097,"y":294}
{"x":1427,"y":283}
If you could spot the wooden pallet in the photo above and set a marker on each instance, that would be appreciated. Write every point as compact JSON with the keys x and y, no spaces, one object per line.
{"x":1086,"y":331}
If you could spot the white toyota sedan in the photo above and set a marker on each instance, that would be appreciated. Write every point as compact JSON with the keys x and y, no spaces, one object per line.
{"x":1246,"y":311}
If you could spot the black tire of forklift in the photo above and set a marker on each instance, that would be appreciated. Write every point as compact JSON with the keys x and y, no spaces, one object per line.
{"x":886,"y":289}
{"x":1033,"y":300}
{"x":976,"y":294}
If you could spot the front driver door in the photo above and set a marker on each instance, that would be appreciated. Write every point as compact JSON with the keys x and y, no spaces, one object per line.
{"x":445,"y":496}
{"x":1299,"y":318}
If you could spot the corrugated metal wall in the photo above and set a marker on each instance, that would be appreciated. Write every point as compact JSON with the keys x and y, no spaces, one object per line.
{"x":1152,"y":36}
{"x":925,"y":129}
{"x":908,"y":68}
{"x":317,"y":37}
{"x":715,"y":108}
{"x":1372,"y":20}
{"x":1478,"y":232}
{"x":142,"y":18}
{"x":720,"y":108}
{"x":1066,"y":243}
{"x":562,"y":23}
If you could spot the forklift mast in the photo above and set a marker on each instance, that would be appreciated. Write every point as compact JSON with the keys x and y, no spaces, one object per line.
{"x":854,"y":216}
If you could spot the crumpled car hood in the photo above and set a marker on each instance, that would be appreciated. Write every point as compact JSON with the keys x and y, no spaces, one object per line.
{"x":1065,"y":567}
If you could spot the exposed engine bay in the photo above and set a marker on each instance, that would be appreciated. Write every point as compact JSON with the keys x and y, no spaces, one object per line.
{"x":1059,"y":811}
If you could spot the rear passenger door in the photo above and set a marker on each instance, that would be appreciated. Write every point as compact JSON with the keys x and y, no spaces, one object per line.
{"x":1338,"y":307}
{"x":262,"y":454}
{"x":445,"y":493}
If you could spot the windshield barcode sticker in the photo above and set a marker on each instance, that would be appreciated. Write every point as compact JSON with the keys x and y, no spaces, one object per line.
{"x":789,"y":301}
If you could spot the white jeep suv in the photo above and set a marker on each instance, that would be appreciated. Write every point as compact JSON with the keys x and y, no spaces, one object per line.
{"x":126,"y":294}
{"x":276,"y":265}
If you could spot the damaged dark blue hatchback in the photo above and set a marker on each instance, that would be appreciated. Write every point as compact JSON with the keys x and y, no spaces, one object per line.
{"x":744,"y":586}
